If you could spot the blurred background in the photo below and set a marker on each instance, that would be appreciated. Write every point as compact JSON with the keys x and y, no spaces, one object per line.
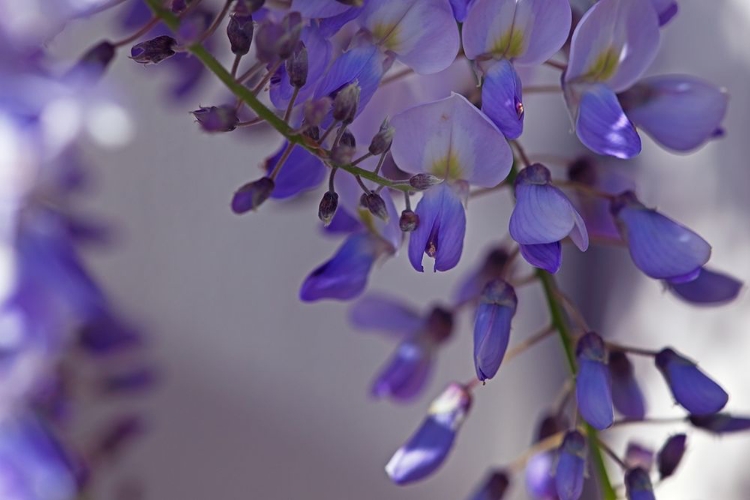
{"x":263,"y":397}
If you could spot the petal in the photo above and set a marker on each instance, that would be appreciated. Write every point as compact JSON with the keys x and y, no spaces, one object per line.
{"x":422,"y":33}
{"x":571,"y":466}
{"x":543,"y":214}
{"x":615,"y":41}
{"x":660,"y":247}
{"x":638,"y":485}
{"x":594,"y":393}
{"x":709,"y":288}
{"x":626,"y":394}
{"x":502,"y":98}
{"x":441,"y":230}
{"x":460,"y":9}
{"x":540,"y":482}
{"x":666,"y":9}
{"x":671,"y":455}
{"x":404,"y":377}
{"x":422,"y":454}
{"x":452,"y":139}
{"x":345,"y":275}
{"x":344,"y":223}
{"x":314,"y":9}
{"x":492,"y":328}
{"x":720,"y":423}
{"x":547,"y":256}
{"x":691,"y":388}
{"x":494,"y":487}
{"x":384,"y":313}
{"x":527,"y":31}
{"x":302,"y":172}
{"x":602,"y":125}
{"x":679,"y":112}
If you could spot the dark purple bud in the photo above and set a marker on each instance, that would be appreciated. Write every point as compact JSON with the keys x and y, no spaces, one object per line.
{"x":348,"y":139}
{"x":428,"y":448}
{"x":96,"y":60}
{"x":493,"y":487}
{"x":691,"y":388}
{"x":292,"y":29}
{"x":153,"y":51}
{"x":373,"y":202}
{"x":638,"y":485}
{"x":409,"y":221}
{"x":670,"y":455}
{"x":497,"y":306}
{"x":312,"y":132}
{"x":583,"y":171}
{"x":571,"y":465}
{"x":345,"y":104}
{"x":639,"y":456}
{"x":252,"y":195}
{"x":382,"y":141}
{"x":549,"y":426}
{"x":593,"y":383}
{"x":297,"y":66}
{"x":217,"y":118}
{"x":240,"y":33}
{"x":626,"y":394}
{"x":439,"y":325}
{"x":267,"y":39}
{"x":315,"y":111}
{"x":328,"y":206}
{"x":720,"y":423}
{"x":421,"y":182}
{"x":342,"y":153}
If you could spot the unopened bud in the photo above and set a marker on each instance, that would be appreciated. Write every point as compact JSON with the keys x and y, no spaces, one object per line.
{"x":421,"y":182}
{"x":342,"y":154}
{"x":240,"y":33}
{"x":312,"y":132}
{"x":439,"y":324}
{"x":96,"y":60}
{"x":670,"y":455}
{"x":348,"y":139}
{"x":217,"y":118}
{"x":297,"y":65}
{"x":252,"y":195}
{"x":315,"y":111}
{"x":409,"y":221}
{"x":583,"y":170}
{"x":373,"y":202}
{"x":292,"y":29}
{"x":345,"y":103}
{"x":328,"y":206}
{"x":153,"y":51}
{"x":381,"y":143}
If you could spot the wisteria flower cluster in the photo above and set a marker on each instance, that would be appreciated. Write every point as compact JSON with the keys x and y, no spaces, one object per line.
{"x":381,"y":103}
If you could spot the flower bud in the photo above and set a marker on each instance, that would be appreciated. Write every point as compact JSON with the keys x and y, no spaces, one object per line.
{"x":352,"y":3}
{"x":328,"y":206}
{"x":297,"y":66}
{"x":345,"y":103}
{"x":639,"y":456}
{"x":153,"y":51}
{"x":439,"y":325}
{"x":217,"y":118}
{"x":593,"y":382}
{"x":571,"y":465}
{"x":428,"y":448}
{"x":720,"y":423}
{"x":638,"y":485}
{"x":348,"y":139}
{"x":252,"y":195}
{"x":312,"y":132}
{"x":583,"y":171}
{"x":292,"y":29}
{"x":240,"y":33}
{"x":421,"y":182}
{"x":496,"y":309}
{"x":691,"y":388}
{"x":409,"y":221}
{"x":315,"y":111}
{"x":626,"y":394}
{"x":342,"y":153}
{"x":494,"y":486}
{"x":96,"y":60}
{"x":373,"y":202}
{"x":381,"y":143}
{"x":670,"y":455}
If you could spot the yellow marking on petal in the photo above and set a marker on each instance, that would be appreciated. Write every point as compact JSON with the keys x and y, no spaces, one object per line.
{"x":447,"y":168}
{"x":509,"y":45}
{"x":605,"y":65}
{"x":389,"y":35}
{"x":367,"y":220}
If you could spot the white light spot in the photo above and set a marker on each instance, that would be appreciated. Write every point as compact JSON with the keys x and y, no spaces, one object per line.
{"x":109,"y":125}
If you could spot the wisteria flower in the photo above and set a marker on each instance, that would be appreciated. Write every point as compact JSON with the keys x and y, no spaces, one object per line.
{"x":709,"y":288}
{"x":593,"y":382}
{"x":571,"y":466}
{"x":492,"y":322}
{"x":691,"y":388}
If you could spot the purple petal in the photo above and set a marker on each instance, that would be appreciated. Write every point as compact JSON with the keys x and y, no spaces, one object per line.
{"x":527,"y":32}
{"x":422,"y":33}
{"x":384,"y":313}
{"x":329,"y":26}
{"x":461,"y":8}
{"x":452,"y":139}
{"x":614,"y":43}
{"x":540,"y":482}
{"x":315,"y":9}
{"x":345,"y":275}
{"x":594,"y":393}
{"x":626,"y":394}
{"x":344,"y":223}
{"x":404,"y":377}
{"x":671,"y":455}
{"x":639,"y":456}
{"x":302,"y":172}
{"x":660,"y":247}
{"x":502,"y":98}
{"x":638,"y":485}
{"x":492,"y":328}
{"x":666,"y":9}
{"x":571,"y":466}
{"x":679,"y":112}
{"x":602,"y":125}
{"x":493,"y":487}
{"x":720,"y":423}
{"x":691,"y":388}
{"x":547,"y":256}
{"x":708,"y":288}
{"x":442,"y":225}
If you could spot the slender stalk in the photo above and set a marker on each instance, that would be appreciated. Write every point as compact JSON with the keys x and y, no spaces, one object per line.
{"x":362,"y":158}
{"x":290,"y":107}
{"x":236,"y":64}
{"x":282,"y":160}
{"x":380,"y":163}
{"x":530,"y":342}
{"x":135,"y":36}
{"x":632,"y":350}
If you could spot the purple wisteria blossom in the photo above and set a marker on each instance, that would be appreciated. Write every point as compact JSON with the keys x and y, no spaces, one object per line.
{"x":627,"y":396}
{"x":671,"y":454}
{"x":571,"y":466}
{"x":497,"y":306}
{"x":593,"y":382}
{"x":691,"y":388}
{"x":453,"y":141}
{"x":638,"y":485}
{"x":708,"y":288}
{"x":542,"y":217}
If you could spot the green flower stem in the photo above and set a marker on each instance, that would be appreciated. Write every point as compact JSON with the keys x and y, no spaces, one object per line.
{"x":263,"y":112}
